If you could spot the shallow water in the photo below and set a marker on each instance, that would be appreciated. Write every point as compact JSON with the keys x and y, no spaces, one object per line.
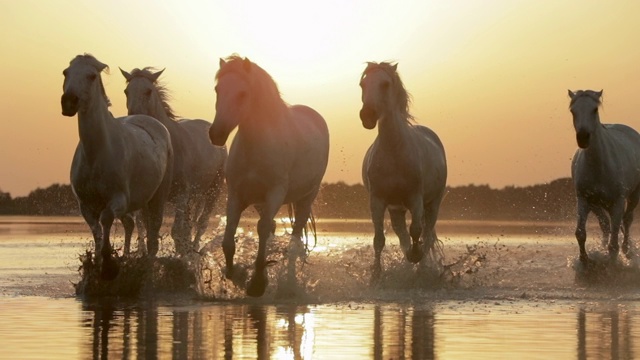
{"x":514,"y":294}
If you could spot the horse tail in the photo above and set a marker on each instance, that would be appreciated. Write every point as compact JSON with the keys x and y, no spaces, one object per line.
{"x":309,"y":227}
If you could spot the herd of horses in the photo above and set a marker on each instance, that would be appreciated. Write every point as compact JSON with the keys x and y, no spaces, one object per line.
{"x":127,"y":168}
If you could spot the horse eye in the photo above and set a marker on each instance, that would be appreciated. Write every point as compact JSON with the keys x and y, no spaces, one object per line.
{"x":147,"y":92}
{"x":242,"y":95}
{"x":91,"y":77}
{"x":384,"y":85}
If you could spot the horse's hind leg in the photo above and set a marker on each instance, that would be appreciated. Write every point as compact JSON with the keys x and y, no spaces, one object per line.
{"x":603,"y":221}
{"x":399,"y":224}
{"x":128,"y":224}
{"x":628,"y":219}
{"x":416,"y":207}
{"x":210,"y":200}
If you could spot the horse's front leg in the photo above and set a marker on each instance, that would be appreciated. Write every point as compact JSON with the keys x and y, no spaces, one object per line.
{"x":416,"y":208}
{"x":93,"y":220}
{"x":581,"y":231}
{"x":617,"y":211}
{"x":605,"y":224}
{"x":234,"y":210}
{"x":181,"y":229}
{"x":378,"y":206}
{"x":259,"y":280}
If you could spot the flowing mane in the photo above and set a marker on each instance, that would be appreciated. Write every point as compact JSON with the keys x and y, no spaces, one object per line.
{"x":163,"y":92}
{"x":261,"y":83}
{"x":403,"y":98}
{"x":92,"y":61}
{"x":593,"y":95}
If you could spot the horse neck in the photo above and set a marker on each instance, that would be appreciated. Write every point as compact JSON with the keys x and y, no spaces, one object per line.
{"x":158,"y":112}
{"x":262,"y":121}
{"x":596,"y":152}
{"x":393,"y":130}
{"x":96,"y":126}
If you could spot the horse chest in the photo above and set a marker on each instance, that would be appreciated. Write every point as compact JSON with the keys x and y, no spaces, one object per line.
{"x":392,"y":182}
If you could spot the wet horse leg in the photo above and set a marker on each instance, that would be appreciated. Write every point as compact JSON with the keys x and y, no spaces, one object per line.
{"x":180,"y":231}
{"x":377,"y":217}
{"x":210,"y":200}
{"x":628,"y":219}
{"x":128,"y":224}
{"x":603,"y":221}
{"x":416,"y":208}
{"x":92,"y":220}
{"x":258,"y":283}
{"x":399,"y":224}
{"x":234,"y":210}
{"x":115,"y":209}
{"x":617,"y":211}
{"x":581,"y":231}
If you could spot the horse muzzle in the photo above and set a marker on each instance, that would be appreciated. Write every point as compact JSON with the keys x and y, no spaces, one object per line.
{"x":368,"y":117}
{"x":69,"y":103}
{"x":217,"y":135}
{"x":583,"y":138}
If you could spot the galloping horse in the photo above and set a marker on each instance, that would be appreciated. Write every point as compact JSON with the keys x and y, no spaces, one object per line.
{"x":605,"y":171}
{"x":198,"y":167}
{"x":121,"y":165}
{"x":279,"y":155}
{"x":404,"y":169}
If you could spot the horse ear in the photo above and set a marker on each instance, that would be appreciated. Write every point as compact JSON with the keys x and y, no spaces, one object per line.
{"x":157,"y":75}
{"x":599,"y":93}
{"x":222,"y":62}
{"x":126,"y":75}
{"x":395,"y":67}
{"x":571,"y":94}
{"x":246,"y":64}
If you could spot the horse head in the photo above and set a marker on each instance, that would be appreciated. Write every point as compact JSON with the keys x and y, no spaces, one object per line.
{"x":243,"y":90}
{"x":584,"y":109}
{"x":382,"y":94}
{"x":81,"y":80}
{"x":145,"y":95}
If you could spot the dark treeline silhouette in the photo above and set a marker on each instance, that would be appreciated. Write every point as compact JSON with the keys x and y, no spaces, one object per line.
{"x":554,"y":201}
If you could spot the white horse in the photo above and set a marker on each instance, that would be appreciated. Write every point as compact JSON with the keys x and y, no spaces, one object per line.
{"x":121,"y":165}
{"x":404,"y":169}
{"x":605,"y":171}
{"x":198,"y":167}
{"x":279,"y":155}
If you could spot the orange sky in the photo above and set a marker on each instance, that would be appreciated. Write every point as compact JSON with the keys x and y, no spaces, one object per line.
{"x":490,"y":77}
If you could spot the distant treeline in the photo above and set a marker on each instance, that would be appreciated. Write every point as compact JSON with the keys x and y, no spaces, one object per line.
{"x":554,"y":201}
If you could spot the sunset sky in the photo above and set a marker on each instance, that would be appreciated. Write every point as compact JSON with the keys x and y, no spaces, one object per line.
{"x":490,"y":77}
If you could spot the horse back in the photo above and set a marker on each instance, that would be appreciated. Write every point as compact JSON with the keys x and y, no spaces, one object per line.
{"x":205,"y":159}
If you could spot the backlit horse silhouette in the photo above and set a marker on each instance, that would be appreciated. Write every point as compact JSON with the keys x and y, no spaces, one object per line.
{"x":121,"y":165}
{"x":278,"y":156}
{"x":198,"y":167}
{"x":404,"y":169}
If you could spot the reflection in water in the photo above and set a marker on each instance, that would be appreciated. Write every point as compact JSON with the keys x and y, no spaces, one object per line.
{"x":393,"y":331}
{"x":611,"y":330}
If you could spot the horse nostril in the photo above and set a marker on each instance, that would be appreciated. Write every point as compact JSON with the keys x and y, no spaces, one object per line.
{"x":582,"y":137}
{"x":69,"y":103}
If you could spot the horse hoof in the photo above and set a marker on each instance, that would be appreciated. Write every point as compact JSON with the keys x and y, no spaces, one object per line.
{"x":110,"y":270}
{"x":229,"y":272}
{"x":415,"y":254}
{"x":257,"y":286}
{"x":375,"y":276}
